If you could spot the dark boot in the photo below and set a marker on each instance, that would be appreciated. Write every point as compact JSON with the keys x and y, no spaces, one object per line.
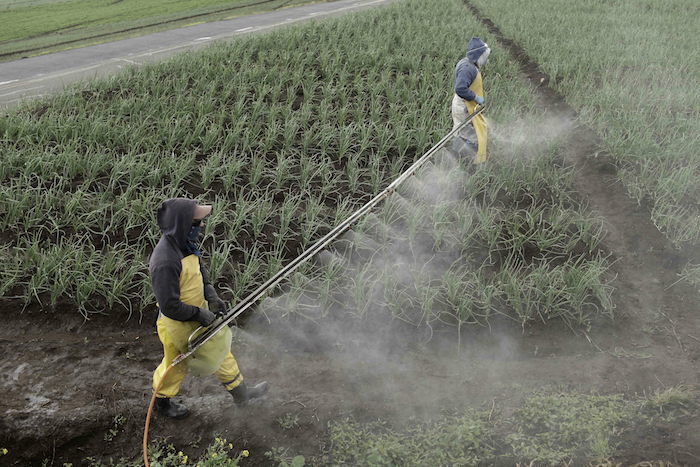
{"x":242,"y":393}
{"x":169,"y":408}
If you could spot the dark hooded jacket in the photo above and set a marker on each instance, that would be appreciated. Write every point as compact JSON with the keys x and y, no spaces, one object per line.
{"x":174,"y":218}
{"x":466,"y":69}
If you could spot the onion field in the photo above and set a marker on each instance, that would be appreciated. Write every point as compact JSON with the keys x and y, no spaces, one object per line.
{"x":285,"y":154}
{"x":481,"y":315}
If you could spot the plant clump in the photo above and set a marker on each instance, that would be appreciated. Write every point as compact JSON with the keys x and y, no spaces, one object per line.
{"x":459,"y":440}
{"x":554,"y":429}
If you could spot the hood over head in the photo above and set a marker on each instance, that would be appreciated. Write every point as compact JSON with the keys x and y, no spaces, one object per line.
{"x":476,"y":48}
{"x":175,"y":220}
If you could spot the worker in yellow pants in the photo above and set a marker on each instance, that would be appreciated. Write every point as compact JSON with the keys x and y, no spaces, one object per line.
{"x":186,"y":300}
{"x":174,"y":334}
{"x":469,"y":92}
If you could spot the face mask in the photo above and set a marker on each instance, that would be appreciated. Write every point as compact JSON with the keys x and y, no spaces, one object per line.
{"x":481,"y":61}
{"x":194,"y":233}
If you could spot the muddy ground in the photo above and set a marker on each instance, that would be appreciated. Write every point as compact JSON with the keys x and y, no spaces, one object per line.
{"x":63,"y":381}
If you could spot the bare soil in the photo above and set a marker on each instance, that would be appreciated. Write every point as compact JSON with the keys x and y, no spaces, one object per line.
{"x":64,"y":380}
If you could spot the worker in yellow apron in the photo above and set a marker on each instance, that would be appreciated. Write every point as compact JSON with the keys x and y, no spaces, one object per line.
{"x":186,"y":300}
{"x":469,"y":92}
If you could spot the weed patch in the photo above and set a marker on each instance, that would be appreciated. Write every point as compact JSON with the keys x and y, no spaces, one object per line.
{"x":460,"y":440}
{"x":556,"y":428}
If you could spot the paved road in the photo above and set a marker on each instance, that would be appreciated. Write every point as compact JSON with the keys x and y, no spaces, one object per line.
{"x":44,"y":74}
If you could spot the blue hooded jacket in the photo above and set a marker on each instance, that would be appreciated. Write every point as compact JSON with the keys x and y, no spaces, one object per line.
{"x":466,"y":69}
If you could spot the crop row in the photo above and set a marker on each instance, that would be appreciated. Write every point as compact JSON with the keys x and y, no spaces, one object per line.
{"x":453,"y":249}
{"x":287,"y":133}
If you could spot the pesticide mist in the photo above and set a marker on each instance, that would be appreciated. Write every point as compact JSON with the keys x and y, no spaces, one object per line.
{"x":447,"y":252}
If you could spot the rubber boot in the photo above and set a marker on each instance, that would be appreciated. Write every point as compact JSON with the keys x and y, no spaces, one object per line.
{"x":171,"y":409}
{"x":242,"y":393}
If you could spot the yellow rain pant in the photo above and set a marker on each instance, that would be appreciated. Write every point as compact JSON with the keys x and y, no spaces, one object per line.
{"x":174,"y":334}
{"x":461,"y":109}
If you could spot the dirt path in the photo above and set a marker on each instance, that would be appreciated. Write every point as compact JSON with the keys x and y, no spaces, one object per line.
{"x":72,"y":389}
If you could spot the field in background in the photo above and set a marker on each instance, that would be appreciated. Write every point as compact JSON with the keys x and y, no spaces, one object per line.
{"x":630,"y":69}
{"x":32,"y":27}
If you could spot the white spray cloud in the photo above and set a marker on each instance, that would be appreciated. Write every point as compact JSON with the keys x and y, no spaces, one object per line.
{"x":345,"y":307}
{"x":525,"y":137}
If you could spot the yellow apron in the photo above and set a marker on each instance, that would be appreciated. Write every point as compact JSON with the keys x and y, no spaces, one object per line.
{"x":479,"y":122}
{"x":173,"y":335}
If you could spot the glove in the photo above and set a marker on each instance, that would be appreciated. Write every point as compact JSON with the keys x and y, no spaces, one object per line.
{"x":216,"y":305}
{"x":205,"y":317}
{"x":479,"y":100}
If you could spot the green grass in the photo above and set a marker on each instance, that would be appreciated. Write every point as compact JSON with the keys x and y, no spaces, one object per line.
{"x":551,"y":427}
{"x":44,"y":25}
{"x":555,"y":429}
{"x":630,"y":68}
{"x":547,"y":427}
{"x":458,"y":440}
{"x":672,"y":402}
{"x":558,"y":427}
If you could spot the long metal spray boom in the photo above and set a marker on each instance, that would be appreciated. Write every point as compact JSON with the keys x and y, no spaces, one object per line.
{"x":195,"y":342}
